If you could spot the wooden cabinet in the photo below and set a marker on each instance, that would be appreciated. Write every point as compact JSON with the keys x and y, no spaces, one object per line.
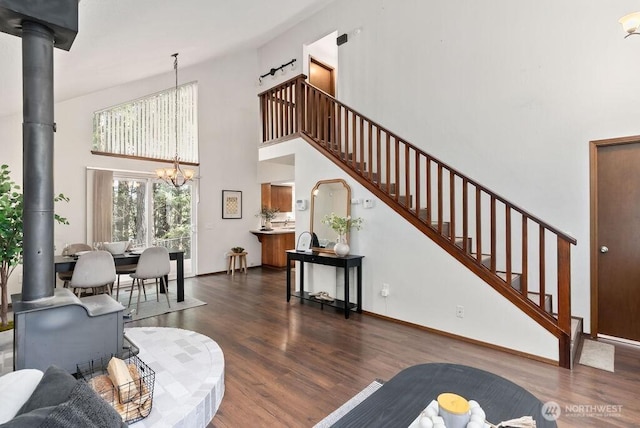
{"x":280,"y":197}
{"x":266,"y":195}
{"x":275,"y":246}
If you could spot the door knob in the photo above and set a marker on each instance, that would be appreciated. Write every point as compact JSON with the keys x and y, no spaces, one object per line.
{"x":604,"y":249}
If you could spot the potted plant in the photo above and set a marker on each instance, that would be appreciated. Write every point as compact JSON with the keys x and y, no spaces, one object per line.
{"x":11,"y":205}
{"x":342,"y":225}
{"x":267,"y":215}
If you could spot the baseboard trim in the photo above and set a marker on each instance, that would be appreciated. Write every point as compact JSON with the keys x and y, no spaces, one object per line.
{"x":466,"y":339}
{"x":619,"y":340}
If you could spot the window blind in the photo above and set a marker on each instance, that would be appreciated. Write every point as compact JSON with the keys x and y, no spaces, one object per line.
{"x":146,"y":127}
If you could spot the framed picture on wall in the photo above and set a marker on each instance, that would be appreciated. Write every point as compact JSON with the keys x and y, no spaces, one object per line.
{"x":304,"y":242}
{"x":231,"y":204}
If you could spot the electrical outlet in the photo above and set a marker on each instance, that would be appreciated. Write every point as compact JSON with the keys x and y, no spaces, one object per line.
{"x":460,"y":311}
{"x":385,"y":290}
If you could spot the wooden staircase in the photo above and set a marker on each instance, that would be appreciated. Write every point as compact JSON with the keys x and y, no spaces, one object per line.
{"x":501,"y":243}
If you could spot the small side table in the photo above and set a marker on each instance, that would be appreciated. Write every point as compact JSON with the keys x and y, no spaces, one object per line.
{"x":242,"y":262}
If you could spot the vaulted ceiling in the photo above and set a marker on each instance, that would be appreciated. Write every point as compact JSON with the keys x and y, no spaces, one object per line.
{"x":125,"y":40}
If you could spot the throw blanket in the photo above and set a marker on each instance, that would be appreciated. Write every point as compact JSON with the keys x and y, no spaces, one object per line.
{"x":84,"y":409}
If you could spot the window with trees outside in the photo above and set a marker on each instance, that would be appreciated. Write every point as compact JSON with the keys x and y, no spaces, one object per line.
{"x":148,"y":212}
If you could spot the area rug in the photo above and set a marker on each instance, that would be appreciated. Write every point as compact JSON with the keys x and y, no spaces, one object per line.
{"x":349,"y":405}
{"x":597,"y":354}
{"x":151,"y":307}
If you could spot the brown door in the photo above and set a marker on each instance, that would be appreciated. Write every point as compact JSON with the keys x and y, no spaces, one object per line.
{"x":321,"y":76}
{"x":616,"y":238}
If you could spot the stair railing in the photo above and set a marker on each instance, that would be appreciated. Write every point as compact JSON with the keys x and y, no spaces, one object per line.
{"x":525,"y":259}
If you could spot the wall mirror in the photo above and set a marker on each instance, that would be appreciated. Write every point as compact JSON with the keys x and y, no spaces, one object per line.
{"x":328,"y":196}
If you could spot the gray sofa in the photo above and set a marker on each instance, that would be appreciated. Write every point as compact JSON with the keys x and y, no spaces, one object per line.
{"x":61,"y":401}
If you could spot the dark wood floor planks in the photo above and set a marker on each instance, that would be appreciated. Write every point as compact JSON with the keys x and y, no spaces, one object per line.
{"x":293,"y":364}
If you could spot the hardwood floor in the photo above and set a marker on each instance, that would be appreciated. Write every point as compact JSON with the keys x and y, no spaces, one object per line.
{"x":291,"y":364}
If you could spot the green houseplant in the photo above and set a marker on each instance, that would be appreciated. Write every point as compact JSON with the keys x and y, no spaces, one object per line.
{"x":341,"y":225}
{"x":267,"y":215}
{"x":11,"y":206}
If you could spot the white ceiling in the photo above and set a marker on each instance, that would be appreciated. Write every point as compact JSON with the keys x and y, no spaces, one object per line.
{"x":120,"y":41}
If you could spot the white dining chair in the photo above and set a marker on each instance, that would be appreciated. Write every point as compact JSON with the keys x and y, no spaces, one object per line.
{"x":70,"y":251}
{"x":94,"y":270}
{"x":153,"y":264}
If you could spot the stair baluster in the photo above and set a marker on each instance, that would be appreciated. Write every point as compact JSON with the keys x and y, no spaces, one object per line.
{"x":402,"y":176}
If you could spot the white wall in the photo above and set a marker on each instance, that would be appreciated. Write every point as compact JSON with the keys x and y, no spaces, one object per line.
{"x":426,"y":284}
{"x":228,"y":113}
{"x":510,"y":93}
{"x":324,"y":50}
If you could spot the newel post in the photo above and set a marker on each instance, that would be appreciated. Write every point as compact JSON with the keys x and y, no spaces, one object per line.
{"x":564,"y":301}
{"x":300,"y":103}
{"x":263,"y":115}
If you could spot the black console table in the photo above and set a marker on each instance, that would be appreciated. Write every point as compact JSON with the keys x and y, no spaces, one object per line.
{"x":328,"y":259}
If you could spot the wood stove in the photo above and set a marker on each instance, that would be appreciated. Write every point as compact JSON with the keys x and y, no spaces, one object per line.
{"x":65,"y":330}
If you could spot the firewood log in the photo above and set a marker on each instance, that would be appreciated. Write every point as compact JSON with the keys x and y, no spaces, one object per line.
{"x":122,"y":380}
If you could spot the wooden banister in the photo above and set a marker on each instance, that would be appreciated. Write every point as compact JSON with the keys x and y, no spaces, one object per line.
{"x":436,"y":199}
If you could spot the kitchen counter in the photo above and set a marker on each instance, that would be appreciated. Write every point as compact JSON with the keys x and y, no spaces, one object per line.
{"x":274,"y":231}
{"x":275,"y":243}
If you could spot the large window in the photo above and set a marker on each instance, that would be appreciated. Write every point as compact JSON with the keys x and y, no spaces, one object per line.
{"x":147,"y":212}
{"x":145,"y":128}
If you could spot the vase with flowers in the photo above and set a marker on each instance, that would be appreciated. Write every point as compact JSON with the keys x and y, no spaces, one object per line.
{"x":341,"y":225}
{"x":267,"y":214}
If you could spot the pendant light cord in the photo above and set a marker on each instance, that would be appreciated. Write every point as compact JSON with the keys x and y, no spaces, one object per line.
{"x":175,"y":67}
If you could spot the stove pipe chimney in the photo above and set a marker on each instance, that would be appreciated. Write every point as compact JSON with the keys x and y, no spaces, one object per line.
{"x":42,"y":25}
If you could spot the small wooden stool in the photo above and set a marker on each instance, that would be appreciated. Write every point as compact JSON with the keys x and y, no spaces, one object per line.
{"x":242,"y":262}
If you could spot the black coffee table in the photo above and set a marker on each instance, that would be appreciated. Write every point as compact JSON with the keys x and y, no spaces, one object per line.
{"x":399,"y":401}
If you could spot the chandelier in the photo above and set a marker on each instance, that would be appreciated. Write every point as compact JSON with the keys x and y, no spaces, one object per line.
{"x":630,"y":23}
{"x":175,"y":176}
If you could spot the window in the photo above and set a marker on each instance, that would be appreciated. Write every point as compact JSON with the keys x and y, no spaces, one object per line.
{"x":145,"y":128}
{"x":141,"y":206}
{"x":148,"y":212}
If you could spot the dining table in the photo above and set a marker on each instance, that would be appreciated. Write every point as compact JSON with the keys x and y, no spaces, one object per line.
{"x":67,"y":263}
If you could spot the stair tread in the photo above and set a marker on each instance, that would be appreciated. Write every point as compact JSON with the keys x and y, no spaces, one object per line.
{"x":503,"y":275}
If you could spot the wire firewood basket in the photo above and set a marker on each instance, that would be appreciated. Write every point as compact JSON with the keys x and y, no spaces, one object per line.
{"x":132,"y":400}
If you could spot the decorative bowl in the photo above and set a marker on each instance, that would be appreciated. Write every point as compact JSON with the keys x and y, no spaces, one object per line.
{"x":115,"y":247}
{"x":237,"y":249}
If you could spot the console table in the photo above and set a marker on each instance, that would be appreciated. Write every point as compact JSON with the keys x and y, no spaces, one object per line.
{"x":328,"y":259}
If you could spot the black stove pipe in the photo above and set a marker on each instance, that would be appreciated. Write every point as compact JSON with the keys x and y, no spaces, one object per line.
{"x":37,"y":128}
{"x":42,"y":25}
